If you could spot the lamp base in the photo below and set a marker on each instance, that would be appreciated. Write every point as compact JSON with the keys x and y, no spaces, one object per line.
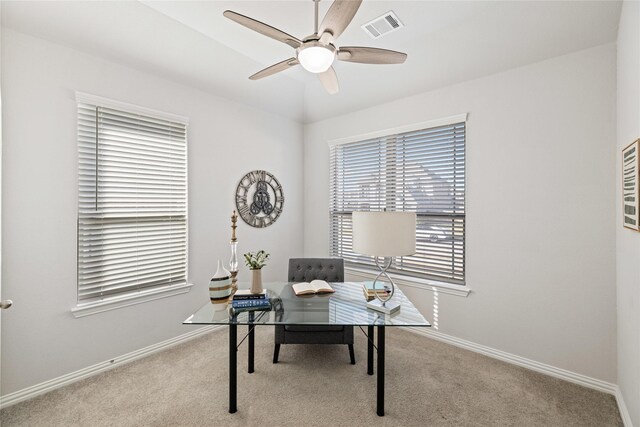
{"x":388,"y":307}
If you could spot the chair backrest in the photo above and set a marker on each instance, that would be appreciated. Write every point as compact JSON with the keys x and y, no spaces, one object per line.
{"x":308,"y":269}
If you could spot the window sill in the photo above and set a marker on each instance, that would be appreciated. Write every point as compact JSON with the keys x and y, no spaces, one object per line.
{"x":125,"y":301}
{"x":414,"y":282}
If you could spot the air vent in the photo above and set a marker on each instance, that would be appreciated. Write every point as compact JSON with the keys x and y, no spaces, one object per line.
{"x":382,"y":25}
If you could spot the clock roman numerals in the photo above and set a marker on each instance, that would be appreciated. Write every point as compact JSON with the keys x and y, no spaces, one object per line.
{"x":256,"y":176}
{"x":244,"y":211}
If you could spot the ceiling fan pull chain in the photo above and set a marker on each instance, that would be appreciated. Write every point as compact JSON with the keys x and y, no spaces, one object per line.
{"x":315,"y":27}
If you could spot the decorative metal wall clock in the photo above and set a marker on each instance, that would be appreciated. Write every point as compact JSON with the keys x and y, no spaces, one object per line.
{"x":259,"y":199}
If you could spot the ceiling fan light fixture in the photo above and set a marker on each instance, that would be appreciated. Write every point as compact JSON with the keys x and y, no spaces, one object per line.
{"x":315,"y":57}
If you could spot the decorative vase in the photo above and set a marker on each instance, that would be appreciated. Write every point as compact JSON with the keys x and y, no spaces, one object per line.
{"x":220,"y":286}
{"x":256,"y":281}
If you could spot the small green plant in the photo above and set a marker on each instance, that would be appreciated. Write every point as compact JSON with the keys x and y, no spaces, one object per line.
{"x":255,"y":261}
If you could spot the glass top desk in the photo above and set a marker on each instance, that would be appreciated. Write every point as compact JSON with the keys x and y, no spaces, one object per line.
{"x":345,"y":307}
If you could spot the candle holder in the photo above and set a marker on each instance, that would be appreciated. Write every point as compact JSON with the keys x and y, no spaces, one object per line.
{"x":233,"y":261}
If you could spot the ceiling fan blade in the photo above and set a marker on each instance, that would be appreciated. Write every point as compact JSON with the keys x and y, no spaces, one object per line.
{"x":329,"y":80}
{"x":338,"y":17}
{"x":263,"y":28}
{"x":275,"y":68}
{"x":370,"y":55}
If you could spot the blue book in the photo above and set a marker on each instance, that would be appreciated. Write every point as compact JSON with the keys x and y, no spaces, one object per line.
{"x":258,"y":303}
{"x":235,"y":311}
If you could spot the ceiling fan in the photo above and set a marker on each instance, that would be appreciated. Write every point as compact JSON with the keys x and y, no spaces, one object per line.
{"x":317,"y":52}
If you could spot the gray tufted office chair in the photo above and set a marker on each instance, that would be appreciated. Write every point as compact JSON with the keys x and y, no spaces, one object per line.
{"x":306,"y":270}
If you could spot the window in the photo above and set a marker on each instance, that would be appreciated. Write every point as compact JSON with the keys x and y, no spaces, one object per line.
{"x":419,"y":170}
{"x":132,"y":201}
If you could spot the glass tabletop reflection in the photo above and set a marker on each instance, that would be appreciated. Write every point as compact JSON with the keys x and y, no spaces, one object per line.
{"x":346,"y":306}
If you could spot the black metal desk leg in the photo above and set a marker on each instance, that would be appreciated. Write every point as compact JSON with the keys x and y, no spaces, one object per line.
{"x":233,"y":368}
{"x":370,"y":350}
{"x":251,"y":342}
{"x":380,"y":387}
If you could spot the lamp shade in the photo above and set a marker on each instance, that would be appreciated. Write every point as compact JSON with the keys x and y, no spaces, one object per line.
{"x":384,"y":234}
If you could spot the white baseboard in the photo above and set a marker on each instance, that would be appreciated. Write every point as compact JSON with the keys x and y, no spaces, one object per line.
{"x":44,"y":387}
{"x":622,"y":407}
{"x":543,"y":368}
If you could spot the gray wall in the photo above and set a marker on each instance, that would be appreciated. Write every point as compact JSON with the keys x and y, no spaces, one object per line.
{"x":628,"y":241}
{"x":41,"y":339}
{"x":540,"y":207}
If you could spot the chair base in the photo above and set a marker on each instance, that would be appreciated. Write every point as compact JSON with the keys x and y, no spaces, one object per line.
{"x":352,"y":354}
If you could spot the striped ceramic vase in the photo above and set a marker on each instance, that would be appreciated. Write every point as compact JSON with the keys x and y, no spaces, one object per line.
{"x":220,"y":286}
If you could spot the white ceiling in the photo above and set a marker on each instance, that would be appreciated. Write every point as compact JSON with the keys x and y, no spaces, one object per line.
{"x":447,"y":42}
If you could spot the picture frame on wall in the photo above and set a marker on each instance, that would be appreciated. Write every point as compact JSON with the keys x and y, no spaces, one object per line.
{"x":630,"y":186}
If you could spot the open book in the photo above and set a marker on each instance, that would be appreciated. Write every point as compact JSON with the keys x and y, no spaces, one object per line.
{"x":315,"y":287}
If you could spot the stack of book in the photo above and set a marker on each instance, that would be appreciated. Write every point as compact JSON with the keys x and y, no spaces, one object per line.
{"x":381,"y":289}
{"x":244,"y":300}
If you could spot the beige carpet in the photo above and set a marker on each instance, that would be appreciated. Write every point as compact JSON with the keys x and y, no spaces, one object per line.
{"x":428,"y":384}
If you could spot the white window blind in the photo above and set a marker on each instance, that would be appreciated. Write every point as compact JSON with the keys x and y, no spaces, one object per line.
{"x":421,"y":171}
{"x":132,"y":203}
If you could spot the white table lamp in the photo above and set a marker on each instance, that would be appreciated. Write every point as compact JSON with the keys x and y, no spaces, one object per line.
{"x":386,"y":235}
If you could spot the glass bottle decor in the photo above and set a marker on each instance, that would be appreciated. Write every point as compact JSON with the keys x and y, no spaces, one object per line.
{"x":233,"y":261}
{"x":220,"y":286}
